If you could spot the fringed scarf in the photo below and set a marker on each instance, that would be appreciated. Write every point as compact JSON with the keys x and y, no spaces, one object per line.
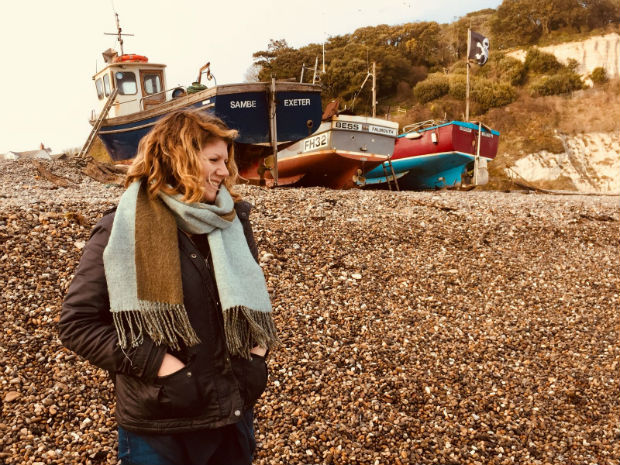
{"x":143,"y":272}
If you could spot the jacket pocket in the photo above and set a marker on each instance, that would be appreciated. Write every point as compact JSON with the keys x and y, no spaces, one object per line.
{"x":181,"y":394}
{"x":136,"y":399}
{"x":251,"y":376}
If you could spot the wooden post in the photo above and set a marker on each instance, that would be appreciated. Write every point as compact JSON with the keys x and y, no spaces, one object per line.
{"x":387,"y":177}
{"x":274,"y":131}
{"x":477,"y":158}
{"x":393,"y":173}
{"x":374,"y":89}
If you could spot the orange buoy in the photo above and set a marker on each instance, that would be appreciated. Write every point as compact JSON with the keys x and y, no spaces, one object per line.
{"x":131,"y":58}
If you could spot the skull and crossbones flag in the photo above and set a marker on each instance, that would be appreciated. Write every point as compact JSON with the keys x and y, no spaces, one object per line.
{"x":478,"y":48}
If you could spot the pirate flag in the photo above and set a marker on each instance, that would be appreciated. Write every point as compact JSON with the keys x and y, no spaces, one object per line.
{"x":478,"y":48}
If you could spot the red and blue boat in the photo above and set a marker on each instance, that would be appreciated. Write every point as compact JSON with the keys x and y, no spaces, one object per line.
{"x":432,"y":155}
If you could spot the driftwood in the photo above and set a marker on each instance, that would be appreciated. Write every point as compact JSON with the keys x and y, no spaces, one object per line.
{"x":529,"y":187}
{"x":104,"y":173}
{"x":59,"y":181}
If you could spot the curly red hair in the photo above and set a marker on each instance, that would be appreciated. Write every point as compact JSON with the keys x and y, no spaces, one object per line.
{"x":168,"y":155}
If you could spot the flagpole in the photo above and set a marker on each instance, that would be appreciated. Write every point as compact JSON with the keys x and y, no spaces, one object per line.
{"x":467,"y":85}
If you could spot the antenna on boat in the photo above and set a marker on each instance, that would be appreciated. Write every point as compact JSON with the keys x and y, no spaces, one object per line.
{"x":118,"y":33}
{"x":374,"y":89}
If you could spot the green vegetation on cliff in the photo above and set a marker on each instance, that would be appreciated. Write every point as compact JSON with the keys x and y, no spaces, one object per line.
{"x":422,"y":65}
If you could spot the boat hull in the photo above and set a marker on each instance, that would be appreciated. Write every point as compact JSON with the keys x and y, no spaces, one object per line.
{"x":244,"y":107}
{"x":335,"y":155}
{"x":438,"y":156}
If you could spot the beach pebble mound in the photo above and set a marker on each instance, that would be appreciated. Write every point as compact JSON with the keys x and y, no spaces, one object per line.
{"x":417,"y":327}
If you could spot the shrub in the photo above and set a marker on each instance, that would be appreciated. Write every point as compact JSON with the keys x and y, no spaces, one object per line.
{"x":460,"y":67}
{"x":489,"y":94}
{"x":458,"y":85}
{"x":503,"y":68}
{"x":572,"y":64}
{"x":512,"y":70}
{"x":599,"y":76}
{"x":559,"y":83}
{"x":446,"y":109}
{"x":434,"y":86}
{"x":541,"y":62}
{"x":418,"y":73}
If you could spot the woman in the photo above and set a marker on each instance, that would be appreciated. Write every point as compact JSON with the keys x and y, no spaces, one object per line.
{"x":169,"y":298}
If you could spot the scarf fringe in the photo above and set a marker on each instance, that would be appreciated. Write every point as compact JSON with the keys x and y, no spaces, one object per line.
{"x":246,"y":328}
{"x":162,"y":322}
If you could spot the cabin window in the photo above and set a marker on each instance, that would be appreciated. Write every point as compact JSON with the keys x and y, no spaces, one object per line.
{"x":106,"y":85}
{"x":99,"y":86}
{"x":152,"y":84}
{"x":126,"y":83}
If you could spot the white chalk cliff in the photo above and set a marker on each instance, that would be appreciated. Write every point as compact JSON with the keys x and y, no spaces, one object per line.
{"x":591,"y":161}
{"x":595,"y":52}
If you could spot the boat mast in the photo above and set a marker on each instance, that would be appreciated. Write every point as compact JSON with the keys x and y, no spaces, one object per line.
{"x":273,"y":127}
{"x":374,"y":89}
{"x":368,"y":74}
{"x":119,"y":33}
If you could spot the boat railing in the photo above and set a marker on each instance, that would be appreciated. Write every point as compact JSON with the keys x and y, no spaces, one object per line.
{"x":172,"y":97}
{"x":420,"y":125}
{"x":94,"y":114}
{"x":484,"y":126}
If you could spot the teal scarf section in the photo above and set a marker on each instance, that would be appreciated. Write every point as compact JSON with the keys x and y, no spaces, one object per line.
{"x":143,"y":271}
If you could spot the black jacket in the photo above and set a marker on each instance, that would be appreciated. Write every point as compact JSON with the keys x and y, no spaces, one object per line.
{"x":212,"y":390}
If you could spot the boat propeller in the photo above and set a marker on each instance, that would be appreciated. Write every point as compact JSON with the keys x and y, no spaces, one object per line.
{"x":358,"y":178}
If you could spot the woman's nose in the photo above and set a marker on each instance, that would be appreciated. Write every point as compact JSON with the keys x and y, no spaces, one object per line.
{"x":223,"y":170}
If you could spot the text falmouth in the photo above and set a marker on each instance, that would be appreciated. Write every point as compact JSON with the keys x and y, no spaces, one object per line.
{"x":321,"y":140}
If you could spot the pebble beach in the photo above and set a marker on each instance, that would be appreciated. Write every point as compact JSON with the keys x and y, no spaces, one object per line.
{"x":444,"y":327}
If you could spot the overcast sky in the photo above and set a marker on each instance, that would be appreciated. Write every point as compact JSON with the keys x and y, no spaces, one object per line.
{"x":51,"y":49}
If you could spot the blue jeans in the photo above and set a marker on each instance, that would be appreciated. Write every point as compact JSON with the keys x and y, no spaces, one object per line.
{"x":229,"y":445}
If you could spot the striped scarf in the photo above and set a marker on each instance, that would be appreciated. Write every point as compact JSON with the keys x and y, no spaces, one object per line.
{"x":143,"y":272}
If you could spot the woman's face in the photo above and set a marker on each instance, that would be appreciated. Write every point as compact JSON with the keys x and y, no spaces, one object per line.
{"x":213,"y":158}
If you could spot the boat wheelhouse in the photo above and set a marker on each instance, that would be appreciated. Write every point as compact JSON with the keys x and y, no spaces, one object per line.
{"x":140,"y":85}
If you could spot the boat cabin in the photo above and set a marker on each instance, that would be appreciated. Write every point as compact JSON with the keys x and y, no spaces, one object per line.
{"x":141,"y":85}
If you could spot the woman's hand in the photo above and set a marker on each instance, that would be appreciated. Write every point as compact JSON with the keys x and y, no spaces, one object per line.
{"x":258,"y":350}
{"x":170,"y":364}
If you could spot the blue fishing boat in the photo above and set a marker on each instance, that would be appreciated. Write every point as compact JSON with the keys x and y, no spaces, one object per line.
{"x":132,"y":96}
{"x":432,"y":155}
{"x":142,"y":98}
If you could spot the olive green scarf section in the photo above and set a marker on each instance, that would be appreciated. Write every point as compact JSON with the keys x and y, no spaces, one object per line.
{"x":143,"y":272}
